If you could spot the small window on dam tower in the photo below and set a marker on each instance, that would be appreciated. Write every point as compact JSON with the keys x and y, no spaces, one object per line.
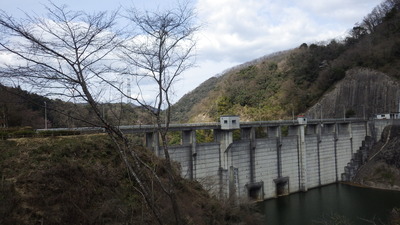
{"x":230,"y":122}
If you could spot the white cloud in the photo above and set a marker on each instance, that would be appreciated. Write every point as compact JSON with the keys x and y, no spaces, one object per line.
{"x":338,"y":9}
{"x":6,"y":58}
{"x":236,"y":31}
{"x":241,"y":30}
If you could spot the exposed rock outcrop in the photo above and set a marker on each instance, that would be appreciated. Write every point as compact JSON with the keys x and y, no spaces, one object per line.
{"x":362,"y":92}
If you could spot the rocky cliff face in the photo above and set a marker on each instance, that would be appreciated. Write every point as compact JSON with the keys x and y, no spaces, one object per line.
{"x":362,"y":92}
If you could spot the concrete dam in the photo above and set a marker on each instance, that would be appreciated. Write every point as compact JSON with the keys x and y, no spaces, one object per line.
{"x":290,"y":156}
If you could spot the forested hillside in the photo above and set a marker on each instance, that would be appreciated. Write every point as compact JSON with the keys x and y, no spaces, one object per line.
{"x":276,"y":86}
{"x":19,"y":108}
{"x":291,"y":82}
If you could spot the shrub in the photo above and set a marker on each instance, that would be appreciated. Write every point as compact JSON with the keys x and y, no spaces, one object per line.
{"x":3,"y":135}
{"x":23,"y":133}
{"x":50,"y":133}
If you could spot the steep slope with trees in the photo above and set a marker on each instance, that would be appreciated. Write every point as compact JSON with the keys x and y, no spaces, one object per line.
{"x":279,"y":87}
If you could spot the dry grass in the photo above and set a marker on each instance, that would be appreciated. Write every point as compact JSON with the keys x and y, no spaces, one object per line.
{"x":81,"y":180}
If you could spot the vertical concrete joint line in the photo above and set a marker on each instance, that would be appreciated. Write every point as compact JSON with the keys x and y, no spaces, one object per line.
{"x":193,"y":155}
{"x":279,"y":153}
{"x":252,"y":154}
{"x":335,"y":140}
{"x":319,"y":131}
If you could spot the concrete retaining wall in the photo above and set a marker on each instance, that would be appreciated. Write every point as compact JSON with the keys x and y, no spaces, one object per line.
{"x":266,"y":164}
{"x":239,"y":158}
{"x":290,"y":162}
{"x":327,"y":159}
{"x":207,"y":160}
{"x":313,"y":167}
{"x":262,"y":168}
{"x":182,"y":154}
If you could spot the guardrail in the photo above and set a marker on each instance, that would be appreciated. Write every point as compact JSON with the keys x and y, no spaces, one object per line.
{"x":202,"y":126}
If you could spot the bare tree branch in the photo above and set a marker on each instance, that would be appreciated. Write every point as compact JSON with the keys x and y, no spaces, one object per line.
{"x":70,"y":54}
{"x":162,"y":50}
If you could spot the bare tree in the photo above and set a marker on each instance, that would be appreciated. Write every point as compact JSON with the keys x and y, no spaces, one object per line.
{"x":72,"y":54}
{"x":162,"y":50}
{"x":377,"y":15}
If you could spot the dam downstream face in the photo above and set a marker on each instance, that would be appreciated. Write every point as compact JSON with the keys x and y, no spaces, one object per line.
{"x":356,"y":205}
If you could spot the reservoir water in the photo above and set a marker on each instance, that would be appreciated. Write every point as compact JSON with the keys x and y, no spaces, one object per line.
{"x":356,"y":204}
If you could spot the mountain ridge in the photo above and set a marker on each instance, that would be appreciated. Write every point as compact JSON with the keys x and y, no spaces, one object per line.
{"x":272,"y":88}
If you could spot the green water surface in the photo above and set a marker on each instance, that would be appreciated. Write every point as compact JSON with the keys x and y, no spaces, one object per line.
{"x":357,"y":205}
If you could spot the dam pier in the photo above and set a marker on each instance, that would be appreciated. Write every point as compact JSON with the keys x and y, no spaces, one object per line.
{"x":290,"y":155}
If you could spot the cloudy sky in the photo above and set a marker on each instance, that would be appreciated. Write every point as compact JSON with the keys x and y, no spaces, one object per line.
{"x":237,"y":31}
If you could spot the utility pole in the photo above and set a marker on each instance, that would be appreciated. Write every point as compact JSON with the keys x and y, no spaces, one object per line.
{"x":45,"y":115}
{"x":129,"y":90}
{"x":344,"y":113}
{"x":363,"y":111}
{"x":293,"y":115}
{"x":320,"y":110}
